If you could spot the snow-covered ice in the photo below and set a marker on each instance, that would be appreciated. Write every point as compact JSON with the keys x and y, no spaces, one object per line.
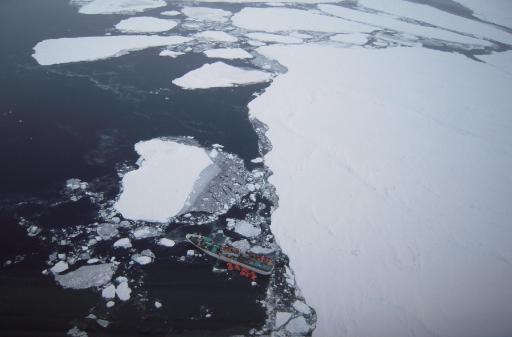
{"x":170,"y":13}
{"x":146,"y":232}
{"x":247,"y":229}
{"x":166,"y":242}
{"x":87,"y":276}
{"x":207,"y":14}
{"x":267,"y":37}
{"x":145,"y":24}
{"x":158,"y":189}
{"x":228,"y":53}
{"x":170,"y":53}
{"x":298,"y":326}
{"x":123,"y":243}
{"x":216,"y":35}
{"x":275,"y":2}
{"x":123,"y":291}
{"x":109,"y":292}
{"x":79,"y":49}
{"x":220,"y":74}
{"x":107,"y":231}
{"x":359,"y":39}
{"x":119,"y":6}
{"x":59,"y":267}
{"x":399,"y":188}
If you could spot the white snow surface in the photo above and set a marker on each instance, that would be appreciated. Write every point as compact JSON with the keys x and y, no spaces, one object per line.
{"x":286,"y":19}
{"x":228,"y":53}
{"x":108,"y":292}
{"x":170,"y":53}
{"x":123,"y":243}
{"x":496,"y":11}
{"x":216,"y":35}
{"x":220,"y":74}
{"x":59,"y":267}
{"x":170,"y":13}
{"x":120,"y":6}
{"x":92,"y":48}
{"x":400,"y":188}
{"x":123,"y":291}
{"x":166,"y":242}
{"x":207,"y":14}
{"x":145,"y":24}
{"x":267,"y":37}
{"x":247,"y":229}
{"x":158,"y":189}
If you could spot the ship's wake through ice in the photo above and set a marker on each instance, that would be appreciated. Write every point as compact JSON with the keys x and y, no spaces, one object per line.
{"x":384,"y":130}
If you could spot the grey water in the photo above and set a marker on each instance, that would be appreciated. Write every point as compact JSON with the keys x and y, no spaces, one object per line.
{"x":81,"y":121}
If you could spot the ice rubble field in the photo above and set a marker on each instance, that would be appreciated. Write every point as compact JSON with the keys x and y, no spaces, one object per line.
{"x":392,"y":161}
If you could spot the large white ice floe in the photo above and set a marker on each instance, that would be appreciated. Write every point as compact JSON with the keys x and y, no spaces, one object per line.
{"x":78,"y":49}
{"x":123,"y":291}
{"x":219,"y":74}
{"x":216,"y":35}
{"x":87,"y":276}
{"x":145,"y":24}
{"x":228,"y":53}
{"x":287,"y":19}
{"x":119,"y":6}
{"x":247,"y":229}
{"x":399,"y":189}
{"x":159,"y":188}
{"x":207,"y":14}
{"x":267,"y":37}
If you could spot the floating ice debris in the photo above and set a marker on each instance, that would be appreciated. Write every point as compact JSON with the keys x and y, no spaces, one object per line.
{"x":286,"y":19}
{"x":166,"y":242}
{"x":262,"y":250}
{"x":33,"y":230}
{"x":75,"y":184}
{"x":358,"y":38}
{"x":257,"y":160}
{"x":123,"y":243}
{"x":228,"y":53}
{"x":119,"y":6}
{"x":110,"y":304}
{"x":207,"y":14}
{"x":59,"y":267}
{"x":298,"y":325}
{"x":282,"y":318}
{"x":158,"y":305}
{"x":219,"y":74}
{"x":145,"y":24}
{"x":109,"y":292}
{"x":216,"y":35}
{"x":145,"y":257}
{"x":170,"y":53}
{"x":107,"y":231}
{"x":87,"y":276}
{"x":302,"y":307}
{"x":267,"y":37}
{"x":243,"y":245}
{"x":103,"y":323}
{"x":116,"y":219}
{"x":251,"y":187}
{"x":255,"y":43}
{"x":158,"y":189}
{"x":247,"y":229}
{"x":91,"y":261}
{"x":170,"y":13}
{"x":191,"y":252}
{"x":75,"y":332}
{"x":146,"y":232}
{"x":123,"y":291}
{"x":78,"y":49}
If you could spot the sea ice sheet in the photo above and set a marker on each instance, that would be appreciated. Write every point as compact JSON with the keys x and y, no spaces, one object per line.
{"x":119,"y":6}
{"x":145,"y":24}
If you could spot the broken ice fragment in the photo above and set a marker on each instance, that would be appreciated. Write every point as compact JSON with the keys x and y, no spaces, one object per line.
{"x":109,"y":292}
{"x":158,"y":305}
{"x":123,"y":291}
{"x":298,"y":325}
{"x":246,"y":229}
{"x":110,"y":304}
{"x":107,"y":231}
{"x":59,"y":267}
{"x":87,"y":276}
{"x":146,"y":232}
{"x":166,"y":242}
{"x":302,"y":307}
{"x":282,"y":318}
{"x":123,"y":243}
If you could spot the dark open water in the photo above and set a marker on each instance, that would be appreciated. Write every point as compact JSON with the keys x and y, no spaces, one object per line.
{"x":56,"y":124}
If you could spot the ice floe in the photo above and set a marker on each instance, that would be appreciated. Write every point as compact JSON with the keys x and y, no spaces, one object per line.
{"x":267,"y":37}
{"x":228,"y":53}
{"x":219,"y":74}
{"x":119,"y":6}
{"x":79,"y":49}
{"x":145,"y":24}
{"x":146,"y":232}
{"x":206,"y":14}
{"x":87,"y":276}
{"x":216,"y":35}
{"x":107,"y":231}
{"x":123,"y":291}
{"x":123,"y":243}
{"x":286,"y":19}
{"x":158,"y":189}
{"x":109,"y":292}
{"x":59,"y":267}
{"x":246,"y":229}
{"x":166,"y":242}
{"x":170,"y":53}
{"x":170,"y":13}
{"x":393,"y":172}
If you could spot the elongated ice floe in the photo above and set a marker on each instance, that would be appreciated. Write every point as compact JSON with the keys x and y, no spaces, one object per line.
{"x":87,"y":276}
{"x":219,"y":74}
{"x":216,"y":35}
{"x":207,"y":14}
{"x":146,"y":24}
{"x":399,"y":189}
{"x":159,"y":188}
{"x":119,"y":6}
{"x":170,"y":13}
{"x":267,"y":37}
{"x":286,"y":19}
{"x":79,"y":49}
{"x":228,"y":53}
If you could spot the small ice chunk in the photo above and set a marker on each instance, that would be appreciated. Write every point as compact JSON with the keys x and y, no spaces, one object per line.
{"x":243,"y":245}
{"x":107,"y":231}
{"x":123,"y":243}
{"x":141,"y":259}
{"x":59,"y":267}
{"x":191,"y":252}
{"x":75,"y":332}
{"x":123,"y":291}
{"x":166,"y":242}
{"x":216,"y":35}
{"x":281,"y":318}
{"x":206,"y":14}
{"x":250,"y":187}
{"x":298,"y":325}
{"x":146,"y":232}
{"x":170,"y":13}
{"x":145,"y":24}
{"x":170,"y":53}
{"x":228,"y":53}
{"x":121,"y":279}
{"x":61,"y":256}
{"x":103,"y":323}
{"x":302,"y":307}
{"x":158,"y":305}
{"x":87,"y":276}
{"x":109,"y":292}
{"x":110,"y":304}
{"x":33,"y":230}
{"x":247,"y":229}
{"x":257,"y":160}
{"x":93,"y":260}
